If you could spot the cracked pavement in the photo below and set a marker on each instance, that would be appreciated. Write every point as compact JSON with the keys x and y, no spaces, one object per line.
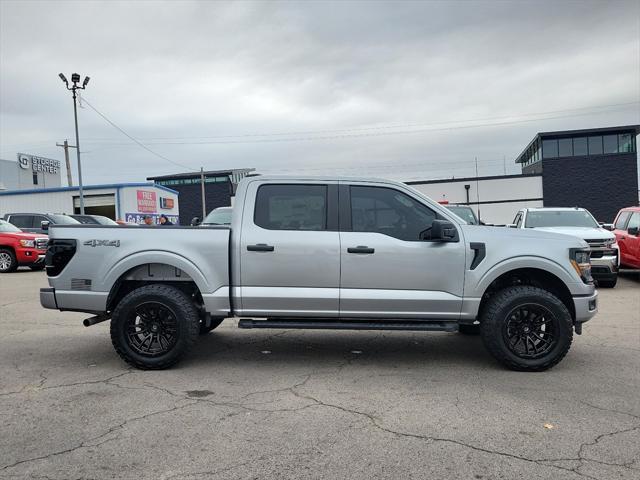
{"x":319,"y":404}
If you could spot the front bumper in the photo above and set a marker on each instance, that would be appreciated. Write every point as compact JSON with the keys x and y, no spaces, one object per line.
{"x":30,"y":256}
{"x":604,"y":267}
{"x":586,"y":306}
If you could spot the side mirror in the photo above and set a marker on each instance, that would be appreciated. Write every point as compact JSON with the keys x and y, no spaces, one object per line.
{"x":195,"y":221}
{"x":633,"y":231}
{"x":44,"y":225}
{"x":443,"y":231}
{"x":607,"y":226}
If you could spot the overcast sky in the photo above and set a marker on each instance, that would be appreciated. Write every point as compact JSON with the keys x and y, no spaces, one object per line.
{"x":412,"y":90}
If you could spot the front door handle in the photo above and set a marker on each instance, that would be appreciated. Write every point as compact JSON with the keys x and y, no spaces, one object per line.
{"x":260,"y":247}
{"x":360,"y":249}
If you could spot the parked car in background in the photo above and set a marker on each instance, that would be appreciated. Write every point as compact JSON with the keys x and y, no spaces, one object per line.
{"x":93,"y":219}
{"x":18,"y":248}
{"x":465,"y":212}
{"x":218,"y":216}
{"x":35,"y":222}
{"x":625,"y":228}
{"x":605,"y":255}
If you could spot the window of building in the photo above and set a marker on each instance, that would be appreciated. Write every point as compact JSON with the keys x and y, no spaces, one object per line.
{"x":549,"y":148}
{"x":291,"y":207}
{"x":389,"y":212}
{"x":580,"y":146}
{"x":595,"y":145}
{"x":565,"y":147}
{"x":610,"y":143}
{"x":35,"y":178}
{"x":625,"y":143}
{"x":620,"y":222}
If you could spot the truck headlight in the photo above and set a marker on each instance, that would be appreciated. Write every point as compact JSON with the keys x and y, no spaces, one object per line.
{"x":28,"y":243}
{"x":581,"y":262}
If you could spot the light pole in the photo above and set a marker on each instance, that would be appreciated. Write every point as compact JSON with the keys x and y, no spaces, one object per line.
{"x":75,"y":79}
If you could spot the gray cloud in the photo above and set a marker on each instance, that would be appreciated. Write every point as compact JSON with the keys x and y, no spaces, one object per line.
{"x":171,"y":71}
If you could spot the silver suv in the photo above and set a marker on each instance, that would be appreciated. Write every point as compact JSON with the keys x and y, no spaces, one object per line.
{"x":605,"y":254}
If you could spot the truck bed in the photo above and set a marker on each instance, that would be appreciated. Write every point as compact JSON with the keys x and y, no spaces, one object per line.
{"x":105,"y":254}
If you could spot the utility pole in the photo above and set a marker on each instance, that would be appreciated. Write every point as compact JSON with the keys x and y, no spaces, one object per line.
{"x":66,"y":147}
{"x":75,"y":79}
{"x":204,"y":208}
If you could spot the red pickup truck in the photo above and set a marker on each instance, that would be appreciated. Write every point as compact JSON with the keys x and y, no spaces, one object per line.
{"x":626,"y":228}
{"x":18,"y":248}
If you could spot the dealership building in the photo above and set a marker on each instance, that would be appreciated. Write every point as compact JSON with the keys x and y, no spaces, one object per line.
{"x":595,"y":168}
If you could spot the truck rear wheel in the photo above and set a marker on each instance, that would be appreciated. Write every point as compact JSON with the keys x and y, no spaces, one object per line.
{"x":154,"y":326}
{"x":526,"y":328}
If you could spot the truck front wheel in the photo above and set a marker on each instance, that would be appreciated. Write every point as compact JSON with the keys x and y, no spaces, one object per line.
{"x":526,"y":328}
{"x":154,"y":326}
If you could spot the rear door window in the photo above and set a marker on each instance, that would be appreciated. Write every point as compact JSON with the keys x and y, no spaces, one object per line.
{"x":634,"y":221}
{"x":291,"y":207}
{"x":21,"y":221}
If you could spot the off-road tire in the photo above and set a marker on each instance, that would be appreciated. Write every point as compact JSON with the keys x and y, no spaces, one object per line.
{"x":215,"y":322}
{"x":495,"y":316}
{"x":608,"y":283}
{"x":469,"y":329}
{"x":10,"y":256}
{"x":187,"y":325}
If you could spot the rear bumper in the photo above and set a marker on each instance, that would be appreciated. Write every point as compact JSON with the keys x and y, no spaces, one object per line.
{"x":48,"y":298}
{"x":73,"y":300}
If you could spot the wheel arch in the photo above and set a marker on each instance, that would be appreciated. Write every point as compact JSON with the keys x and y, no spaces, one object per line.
{"x":533,"y":276}
{"x":154,"y":273}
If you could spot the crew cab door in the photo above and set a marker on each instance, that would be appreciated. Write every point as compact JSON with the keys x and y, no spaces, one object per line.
{"x":290,"y":250}
{"x":387,"y":271}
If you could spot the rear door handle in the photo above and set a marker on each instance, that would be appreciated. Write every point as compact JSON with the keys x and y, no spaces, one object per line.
{"x":360,"y":249}
{"x":260,"y":247}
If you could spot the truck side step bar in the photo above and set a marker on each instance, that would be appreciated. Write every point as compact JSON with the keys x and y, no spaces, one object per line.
{"x":342,"y":324}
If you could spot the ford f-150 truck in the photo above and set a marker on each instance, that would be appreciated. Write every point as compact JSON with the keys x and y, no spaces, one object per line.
{"x":325,"y":253}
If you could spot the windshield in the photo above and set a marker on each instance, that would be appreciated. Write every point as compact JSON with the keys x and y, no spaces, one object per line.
{"x":219,"y":216}
{"x":6,"y":227}
{"x":465,"y":213}
{"x":560,"y":218}
{"x":62,"y":219}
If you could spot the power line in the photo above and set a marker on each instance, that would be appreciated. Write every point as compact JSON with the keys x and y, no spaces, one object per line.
{"x":386,"y":127}
{"x":133,"y":138}
{"x":372,"y":134}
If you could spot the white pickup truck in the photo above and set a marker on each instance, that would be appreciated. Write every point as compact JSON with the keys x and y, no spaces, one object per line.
{"x":327,"y":253}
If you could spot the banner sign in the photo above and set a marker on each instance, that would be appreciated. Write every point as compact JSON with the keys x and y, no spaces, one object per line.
{"x":139,"y":218}
{"x":146,"y":201}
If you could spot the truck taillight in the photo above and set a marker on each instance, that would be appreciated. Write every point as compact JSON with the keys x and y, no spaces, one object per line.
{"x":59,"y":253}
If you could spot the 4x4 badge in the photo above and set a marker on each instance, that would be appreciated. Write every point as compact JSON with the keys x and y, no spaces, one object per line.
{"x":102,"y":243}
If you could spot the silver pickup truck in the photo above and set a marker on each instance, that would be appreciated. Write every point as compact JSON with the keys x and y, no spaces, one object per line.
{"x":325,"y":253}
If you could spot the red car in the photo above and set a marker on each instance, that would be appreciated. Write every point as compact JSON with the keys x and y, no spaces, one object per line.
{"x":626,"y":228}
{"x":18,"y":248}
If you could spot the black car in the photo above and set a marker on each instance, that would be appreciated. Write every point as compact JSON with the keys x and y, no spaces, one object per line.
{"x":34,"y":222}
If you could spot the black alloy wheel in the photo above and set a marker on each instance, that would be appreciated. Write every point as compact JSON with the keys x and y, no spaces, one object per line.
{"x":152,"y":329}
{"x":529,"y":331}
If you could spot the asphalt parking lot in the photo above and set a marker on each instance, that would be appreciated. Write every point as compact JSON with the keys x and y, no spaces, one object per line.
{"x":314,"y":404}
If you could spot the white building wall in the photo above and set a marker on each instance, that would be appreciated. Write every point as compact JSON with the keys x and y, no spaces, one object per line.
{"x":498,"y":198}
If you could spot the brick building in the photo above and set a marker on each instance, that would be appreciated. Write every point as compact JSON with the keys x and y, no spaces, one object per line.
{"x":219,"y":189}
